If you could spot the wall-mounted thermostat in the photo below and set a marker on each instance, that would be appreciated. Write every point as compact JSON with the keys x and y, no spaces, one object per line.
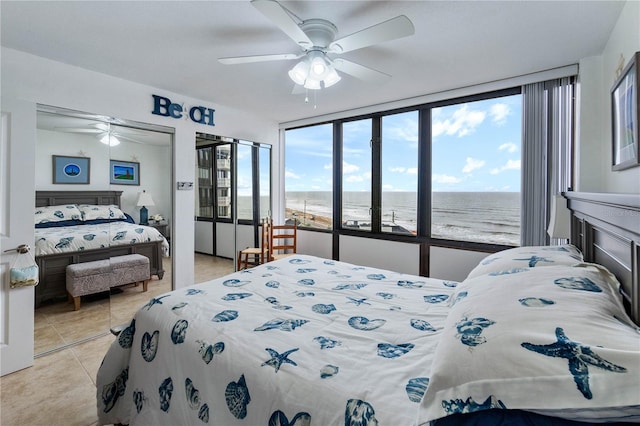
{"x":185,"y":186}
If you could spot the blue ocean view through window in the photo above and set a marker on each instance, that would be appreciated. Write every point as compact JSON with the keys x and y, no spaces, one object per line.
{"x":487,"y":217}
{"x":475,"y":166}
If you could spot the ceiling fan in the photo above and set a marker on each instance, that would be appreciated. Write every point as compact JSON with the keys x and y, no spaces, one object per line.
{"x":105,"y":133}
{"x":316,"y":38}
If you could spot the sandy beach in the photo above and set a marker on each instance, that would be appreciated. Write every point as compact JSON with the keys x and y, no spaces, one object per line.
{"x":310,"y":220}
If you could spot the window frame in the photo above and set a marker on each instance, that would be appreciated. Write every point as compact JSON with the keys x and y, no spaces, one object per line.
{"x":424,"y":178}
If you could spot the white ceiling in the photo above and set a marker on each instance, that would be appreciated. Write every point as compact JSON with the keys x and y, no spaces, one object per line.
{"x":175,"y":45}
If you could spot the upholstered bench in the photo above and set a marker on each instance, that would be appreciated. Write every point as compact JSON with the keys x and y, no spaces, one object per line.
{"x":87,"y":278}
{"x":100,"y":275}
{"x":130,"y":268}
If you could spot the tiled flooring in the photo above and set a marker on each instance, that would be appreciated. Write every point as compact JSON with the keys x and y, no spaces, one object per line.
{"x":60,"y":387}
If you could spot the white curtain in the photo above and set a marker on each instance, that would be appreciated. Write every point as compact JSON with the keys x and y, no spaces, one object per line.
{"x":547,"y":141}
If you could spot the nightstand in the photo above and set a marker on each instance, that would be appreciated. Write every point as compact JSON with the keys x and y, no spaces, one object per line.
{"x":162,"y":227}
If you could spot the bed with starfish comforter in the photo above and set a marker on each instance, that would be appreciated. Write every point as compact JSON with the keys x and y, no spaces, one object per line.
{"x":311,"y":341}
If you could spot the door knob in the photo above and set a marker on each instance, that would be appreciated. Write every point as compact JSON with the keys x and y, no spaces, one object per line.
{"x":22,"y":249}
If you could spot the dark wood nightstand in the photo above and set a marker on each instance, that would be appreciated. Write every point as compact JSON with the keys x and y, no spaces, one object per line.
{"x":162,"y":227}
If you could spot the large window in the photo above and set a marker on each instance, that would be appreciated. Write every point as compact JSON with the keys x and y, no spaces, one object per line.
{"x":309,"y":176}
{"x":475,"y":181}
{"x":399,"y":172}
{"x":245,"y":181}
{"x":448,"y":170}
{"x":356,"y":174}
{"x":223,"y":181}
{"x":264,"y":173}
{"x":204,"y":182}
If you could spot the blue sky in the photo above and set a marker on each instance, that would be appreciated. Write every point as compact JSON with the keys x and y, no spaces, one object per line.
{"x":476,"y":147}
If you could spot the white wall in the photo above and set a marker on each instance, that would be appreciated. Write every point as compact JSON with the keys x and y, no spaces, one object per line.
{"x":451,"y":264}
{"x":41,"y":81}
{"x":315,"y":243}
{"x":393,"y":255}
{"x":597,"y":75}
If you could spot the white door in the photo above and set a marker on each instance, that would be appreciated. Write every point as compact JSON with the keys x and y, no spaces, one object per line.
{"x":17,"y":189}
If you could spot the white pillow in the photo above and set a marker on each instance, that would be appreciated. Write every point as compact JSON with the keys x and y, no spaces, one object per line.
{"x":92,"y":212}
{"x":527,"y":257}
{"x":57,"y":213}
{"x":553,"y":340}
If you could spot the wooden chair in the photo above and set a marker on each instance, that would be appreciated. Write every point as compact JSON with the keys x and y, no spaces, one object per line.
{"x":256,"y":255}
{"x":283,"y":240}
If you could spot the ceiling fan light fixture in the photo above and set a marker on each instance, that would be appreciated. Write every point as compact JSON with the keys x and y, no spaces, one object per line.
{"x":312,"y":84}
{"x":332,"y":78}
{"x":299,"y":72}
{"x":318,"y":68}
{"x":110,"y":140}
{"x":314,"y":72}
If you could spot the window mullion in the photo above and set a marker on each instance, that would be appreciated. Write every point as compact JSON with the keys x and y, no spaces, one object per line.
{"x":376,"y":175}
{"x":424,"y":173}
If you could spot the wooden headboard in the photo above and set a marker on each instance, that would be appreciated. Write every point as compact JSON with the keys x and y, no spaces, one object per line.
{"x":55,"y":198}
{"x":606,"y":227}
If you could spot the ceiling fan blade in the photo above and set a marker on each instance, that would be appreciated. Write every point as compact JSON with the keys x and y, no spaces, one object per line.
{"x":359,"y":71}
{"x":257,"y":58}
{"x":394,"y":28}
{"x":77,"y":130}
{"x":127,"y":138}
{"x":283,"y":20}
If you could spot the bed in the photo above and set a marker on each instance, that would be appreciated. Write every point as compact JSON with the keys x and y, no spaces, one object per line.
{"x":539,"y":332}
{"x":63,"y":237}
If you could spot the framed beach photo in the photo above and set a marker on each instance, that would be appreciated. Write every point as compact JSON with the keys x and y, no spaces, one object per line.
{"x":124,"y":172}
{"x":624,"y":117}
{"x":71,"y":170}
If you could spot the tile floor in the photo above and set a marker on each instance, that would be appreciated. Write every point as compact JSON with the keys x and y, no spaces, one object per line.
{"x":60,"y":387}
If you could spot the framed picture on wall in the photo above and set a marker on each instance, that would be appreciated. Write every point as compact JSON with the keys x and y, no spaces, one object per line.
{"x":124,"y":172}
{"x":71,"y":170}
{"x":624,"y":117}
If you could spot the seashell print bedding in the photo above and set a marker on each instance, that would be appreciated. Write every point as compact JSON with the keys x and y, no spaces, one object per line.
{"x":86,"y":237}
{"x":301,"y":340}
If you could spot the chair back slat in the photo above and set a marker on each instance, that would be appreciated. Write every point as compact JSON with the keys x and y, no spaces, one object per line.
{"x":283,"y":240}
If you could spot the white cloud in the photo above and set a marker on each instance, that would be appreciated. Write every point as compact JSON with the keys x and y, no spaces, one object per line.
{"x":354,"y":178}
{"x":291,"y":175}
{"x":509,"y":165}
{"x":462,"y":122}
{"x":499,"y":113}
{"x":387,"y":187}
{"x":328,"y":166}
{"x":405,"y":131}
{"x":472,"y":164}
{"x":509,"y":147}
{"x":407,"y":170}
{"x":446,"y":179}
{"x":349,"y":168}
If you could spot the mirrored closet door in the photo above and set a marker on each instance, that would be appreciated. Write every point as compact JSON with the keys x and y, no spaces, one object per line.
{"x":75,"y":158}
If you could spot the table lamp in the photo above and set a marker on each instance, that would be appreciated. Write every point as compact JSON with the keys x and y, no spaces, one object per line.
{"x":144,"y":200}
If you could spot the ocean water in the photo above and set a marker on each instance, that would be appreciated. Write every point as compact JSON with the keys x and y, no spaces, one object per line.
{"x":491,"y":217}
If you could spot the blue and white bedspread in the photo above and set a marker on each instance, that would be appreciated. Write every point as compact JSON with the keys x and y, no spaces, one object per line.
{"x":298,"y":341}
{"x":87,"y":237}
